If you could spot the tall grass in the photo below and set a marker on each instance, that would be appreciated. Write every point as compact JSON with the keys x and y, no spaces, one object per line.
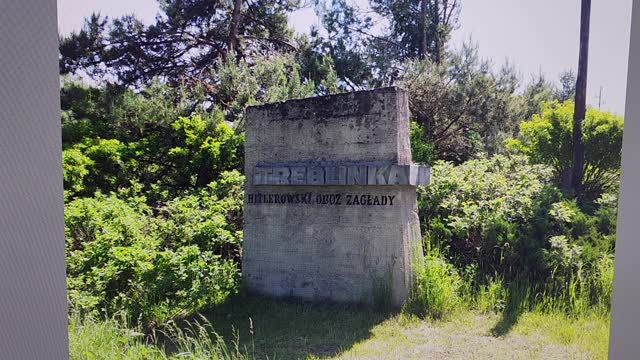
{"x":586,"y":290}
{"x":111,"y":338}
{"x":436,"y":291}
{"x":440,"y":290}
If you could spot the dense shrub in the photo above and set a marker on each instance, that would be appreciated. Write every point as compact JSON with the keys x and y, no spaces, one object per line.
{"x":473,"y":211}
{"x":169,"y":140}
{"x":500,"y":236}
{"x":194,"y":152}
{"x":505,"y":216}
{"x":153,"y":186}
{"x":154,"y":263}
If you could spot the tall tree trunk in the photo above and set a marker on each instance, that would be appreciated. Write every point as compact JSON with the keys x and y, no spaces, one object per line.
{"x":232,"y":41}
{"x":577,"y":171}
{"x":424,"y":4}
{"x":437,"y":56}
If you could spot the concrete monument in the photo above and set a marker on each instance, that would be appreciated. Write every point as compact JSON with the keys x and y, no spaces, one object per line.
{"x":330,"y":204}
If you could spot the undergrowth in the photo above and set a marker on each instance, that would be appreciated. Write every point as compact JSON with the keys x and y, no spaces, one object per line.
{"x":115,"y":338}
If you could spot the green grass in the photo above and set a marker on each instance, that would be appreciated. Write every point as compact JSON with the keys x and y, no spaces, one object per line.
{"x":89,"y":339}
{"x":256,"y":327}
{"x":112,"y":339}
{"x":292,"y":330}
{"x":589,"y":333}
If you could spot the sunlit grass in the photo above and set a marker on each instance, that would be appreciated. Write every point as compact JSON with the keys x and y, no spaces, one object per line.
{"x":259,"y":328}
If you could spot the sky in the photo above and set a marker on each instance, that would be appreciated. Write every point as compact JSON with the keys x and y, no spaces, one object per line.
{"x":537,"y":37}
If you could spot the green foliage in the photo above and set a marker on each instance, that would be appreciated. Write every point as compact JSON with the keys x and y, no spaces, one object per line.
{"x":115,"y":112}
{"x":474,"y":209}
{"x":194,"y":154}
{"x":115,"y":339}
{"x":276,"y":79}
{"x":421,"y":151}
{"x":547,"y":139}
{"x":436,"y":289}
{"x":154,"y":191}
{"x":184,"y":45}
{"x":164,"y":138}
{"x":506,"y":217}
{"x":75,"y":167}
{"x":154,"y":263}
{"x":463,"y":107}
{"x":516,"y":241}
{"x":538,"y":92}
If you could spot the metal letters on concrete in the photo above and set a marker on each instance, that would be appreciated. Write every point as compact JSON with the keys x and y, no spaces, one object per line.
{"x":330,"y":205}
{"x":341,"y":174}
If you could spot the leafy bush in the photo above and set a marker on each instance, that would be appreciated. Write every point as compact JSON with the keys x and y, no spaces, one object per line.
{"x":153,"y":186}
{"x":170,"y":140}
{"x":547,"y":139}
{"x":195,"y":152}
{"x":154,"y":263}
{"x":505,"y":217}
{"x":474,"y":211}
{"x":75,"y":167}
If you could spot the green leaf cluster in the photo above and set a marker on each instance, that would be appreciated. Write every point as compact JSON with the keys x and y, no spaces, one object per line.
{"x":155,"y":263}
{"x":506,"y":216}
{"x":547,"y":139}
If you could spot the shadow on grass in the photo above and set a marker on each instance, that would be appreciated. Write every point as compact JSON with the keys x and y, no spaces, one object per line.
{"x":516,"y":303}
{"x":287,"y":329}
{"x":506,"y":323}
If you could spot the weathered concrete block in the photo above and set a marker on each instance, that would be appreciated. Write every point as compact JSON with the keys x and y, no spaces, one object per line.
{"x":330,"y":204}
